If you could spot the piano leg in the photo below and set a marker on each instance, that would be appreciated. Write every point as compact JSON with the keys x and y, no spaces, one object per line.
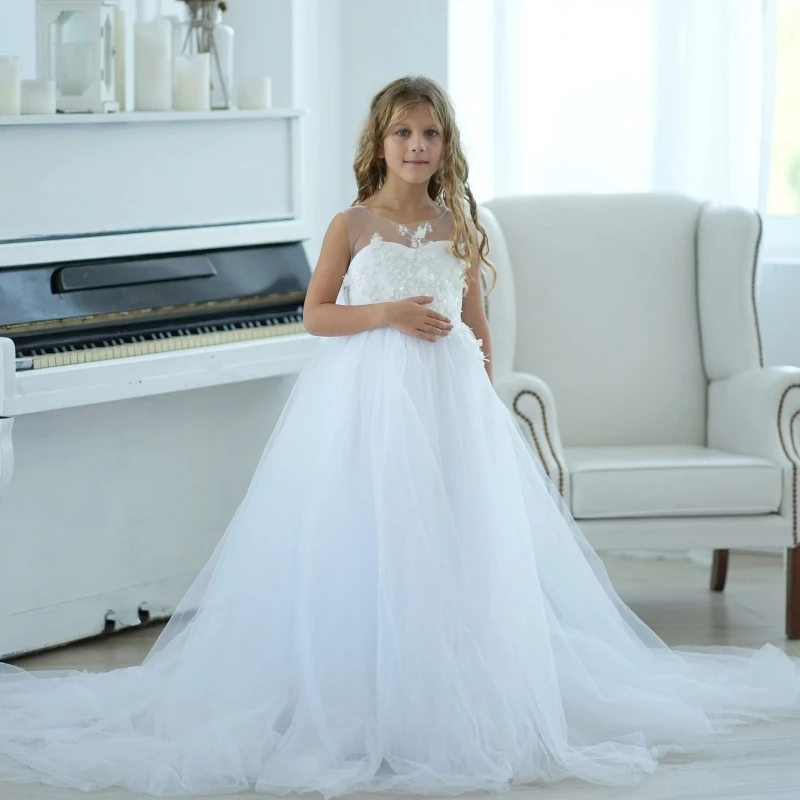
{"x":8,"y":391}
{"x":6,"y":454}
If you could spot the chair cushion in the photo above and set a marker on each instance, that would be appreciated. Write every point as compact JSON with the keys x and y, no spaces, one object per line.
{"x":670,"y":480}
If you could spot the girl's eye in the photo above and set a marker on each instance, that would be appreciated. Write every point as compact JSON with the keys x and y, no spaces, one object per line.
{"x":429,"y":131}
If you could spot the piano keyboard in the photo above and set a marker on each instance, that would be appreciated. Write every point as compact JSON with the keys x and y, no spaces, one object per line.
{"x":132,"y":345}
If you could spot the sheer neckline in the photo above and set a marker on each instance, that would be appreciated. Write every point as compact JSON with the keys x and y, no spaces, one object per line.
{"x":394,"y":221}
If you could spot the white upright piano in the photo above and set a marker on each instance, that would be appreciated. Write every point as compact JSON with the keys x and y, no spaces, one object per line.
{"x":152,"y":279}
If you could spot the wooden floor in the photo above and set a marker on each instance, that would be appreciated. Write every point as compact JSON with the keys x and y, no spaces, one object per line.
{"x":754,"y":763}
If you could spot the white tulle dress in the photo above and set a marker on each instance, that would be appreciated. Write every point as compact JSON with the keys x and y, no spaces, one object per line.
{"x":401,"y":603}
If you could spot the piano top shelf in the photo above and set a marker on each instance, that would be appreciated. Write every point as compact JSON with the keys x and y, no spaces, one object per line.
{"x":137,"y":117}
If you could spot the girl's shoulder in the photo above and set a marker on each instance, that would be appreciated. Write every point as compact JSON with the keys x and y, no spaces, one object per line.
{"x":354,"y":210}
{"x":358,"y":218}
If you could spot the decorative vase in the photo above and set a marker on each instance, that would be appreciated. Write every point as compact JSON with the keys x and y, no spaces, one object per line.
{"x":204,"y":32}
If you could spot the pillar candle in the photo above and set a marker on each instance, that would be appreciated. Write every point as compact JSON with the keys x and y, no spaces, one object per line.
{"x":9,"y":85}
{"x":193,"y":82}
{"x":38,"y":97}
{"x":119,"y":58}
{"x":177,"y":42}
{"x":255,"y":92}
{"x":152,"y":56}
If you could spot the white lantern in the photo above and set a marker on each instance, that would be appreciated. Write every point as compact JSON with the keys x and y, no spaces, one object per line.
{"x":76,"y":49}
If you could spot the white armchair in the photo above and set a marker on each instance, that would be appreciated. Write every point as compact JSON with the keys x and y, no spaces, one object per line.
{"x":634,"y":317}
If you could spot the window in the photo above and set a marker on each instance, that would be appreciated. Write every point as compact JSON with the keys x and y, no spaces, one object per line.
{"x":783,"y":198}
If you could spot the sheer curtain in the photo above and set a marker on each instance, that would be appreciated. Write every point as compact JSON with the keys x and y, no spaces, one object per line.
{"x":610,"y":95}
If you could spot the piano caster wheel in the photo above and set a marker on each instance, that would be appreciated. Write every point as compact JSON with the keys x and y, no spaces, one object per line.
{"x":114,"y":622}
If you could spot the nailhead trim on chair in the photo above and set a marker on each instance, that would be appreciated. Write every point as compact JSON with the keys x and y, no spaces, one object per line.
{"x":529,"y":423}
{"x":753,"y":289}
{"x":789,"y":456}
{"x":794,"y":475}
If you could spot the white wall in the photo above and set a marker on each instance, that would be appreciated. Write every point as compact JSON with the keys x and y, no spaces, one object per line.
{"x":317,"y":88}
{"x":18,"y":32}
{"x":382,"y":41}
{"x":344,"y":51}
{"x":778,"y":303}
{"x":263,"y":43}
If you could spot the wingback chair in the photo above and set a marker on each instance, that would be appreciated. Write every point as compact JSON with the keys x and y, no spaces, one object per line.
{"x":626,"y":343}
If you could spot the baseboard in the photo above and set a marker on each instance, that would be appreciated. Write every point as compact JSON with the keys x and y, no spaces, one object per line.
{"x":700,"y":557}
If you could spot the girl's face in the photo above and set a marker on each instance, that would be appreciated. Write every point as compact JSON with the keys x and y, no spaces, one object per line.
{"x":413,"y":145}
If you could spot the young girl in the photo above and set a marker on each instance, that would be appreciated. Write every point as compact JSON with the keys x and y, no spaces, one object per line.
{"x":402,"y":602}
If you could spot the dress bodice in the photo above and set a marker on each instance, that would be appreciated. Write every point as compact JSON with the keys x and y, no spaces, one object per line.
{"x":391,"y":261}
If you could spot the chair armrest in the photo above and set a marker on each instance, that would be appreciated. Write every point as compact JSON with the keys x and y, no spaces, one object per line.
{"x":755,"y":413}
{"x":530,"y":400}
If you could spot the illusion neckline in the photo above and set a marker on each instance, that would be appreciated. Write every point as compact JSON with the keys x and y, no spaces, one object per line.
{"x":406,"y":224}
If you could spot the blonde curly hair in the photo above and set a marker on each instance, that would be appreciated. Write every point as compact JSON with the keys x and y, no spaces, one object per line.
{"x":448,"y":186}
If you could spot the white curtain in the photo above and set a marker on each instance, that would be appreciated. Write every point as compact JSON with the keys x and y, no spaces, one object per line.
{"x":610,"y":95}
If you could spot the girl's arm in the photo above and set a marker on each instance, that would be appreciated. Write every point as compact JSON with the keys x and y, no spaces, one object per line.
{"x":473,"y":314}
{"x":321,"y":315}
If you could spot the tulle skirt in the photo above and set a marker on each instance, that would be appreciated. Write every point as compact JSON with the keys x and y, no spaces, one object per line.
{"x":401,"y":603}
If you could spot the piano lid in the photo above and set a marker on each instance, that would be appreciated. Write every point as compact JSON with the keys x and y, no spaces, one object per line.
{"x":197,"y":286}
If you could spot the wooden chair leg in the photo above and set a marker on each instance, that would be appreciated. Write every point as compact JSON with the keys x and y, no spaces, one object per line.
{"x":719,"y":570}
{"x":793,"y":593}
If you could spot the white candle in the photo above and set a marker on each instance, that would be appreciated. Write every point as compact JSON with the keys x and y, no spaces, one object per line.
{"x":38,"y":97}
{"x":119,"y":57}
{"x":255,"y":92}
{"x":9,"y":85}
{"x":177,"y":42}
{"x":152,"y":56}
{"x":178,"y":36}
{"x":193,"y":82}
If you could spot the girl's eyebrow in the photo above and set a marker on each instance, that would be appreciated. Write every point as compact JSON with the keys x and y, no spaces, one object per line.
{"x":429,"y":127}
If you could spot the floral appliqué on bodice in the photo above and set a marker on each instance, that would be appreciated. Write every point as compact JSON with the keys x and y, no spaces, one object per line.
{"x":385,"y":271}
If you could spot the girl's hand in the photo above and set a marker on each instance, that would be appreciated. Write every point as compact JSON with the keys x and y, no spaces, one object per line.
{"x":410,"y":316}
